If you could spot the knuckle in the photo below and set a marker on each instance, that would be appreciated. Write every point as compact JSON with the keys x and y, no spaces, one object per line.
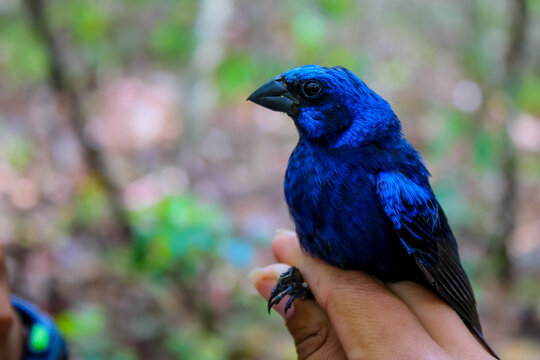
{"x":352,"y":286}
{"x":310,"y":341}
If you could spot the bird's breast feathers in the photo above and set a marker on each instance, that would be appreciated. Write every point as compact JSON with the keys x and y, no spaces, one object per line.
{"x":334,"y":204}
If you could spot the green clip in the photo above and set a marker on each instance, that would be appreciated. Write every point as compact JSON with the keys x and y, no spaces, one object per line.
{"x":39,"y":338}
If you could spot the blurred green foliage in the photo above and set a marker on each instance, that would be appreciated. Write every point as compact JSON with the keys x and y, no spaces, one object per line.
{"x":186,"y":344}
{"x":85,"y":323}
{"x":90,"y":205}
{"x":179,"y":234}
{"x":339,"y":9}
{"x":22,"y":55}
{"x":529,"y":94}
{"x":179,"y":244}
{"x":235,"y":74}
{"x":19,"y":152}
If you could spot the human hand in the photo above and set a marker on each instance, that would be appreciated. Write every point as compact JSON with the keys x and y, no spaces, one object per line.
{"x":356,"y":316}
{"x":10,"y":326}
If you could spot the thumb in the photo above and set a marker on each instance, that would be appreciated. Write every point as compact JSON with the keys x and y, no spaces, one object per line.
{"x":313,"y":334}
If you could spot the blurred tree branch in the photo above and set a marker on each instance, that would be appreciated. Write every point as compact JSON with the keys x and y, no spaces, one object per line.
{"x":506,"y":212}
{"x":71,"y":98}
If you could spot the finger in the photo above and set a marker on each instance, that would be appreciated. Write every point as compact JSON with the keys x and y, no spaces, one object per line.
{"x":286,"y":248}
{"x":369,"y":320}
{"x":308,"y":324}
{"x":6,"y":311}
{"x":313,"y":333}
{"x":10,"y":327}
{"x":440,"y":321}
{"x":264,"y":280}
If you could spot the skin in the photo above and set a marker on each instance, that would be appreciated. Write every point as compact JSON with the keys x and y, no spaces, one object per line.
{"x":356,"y":316}
{"x":10,"y":326}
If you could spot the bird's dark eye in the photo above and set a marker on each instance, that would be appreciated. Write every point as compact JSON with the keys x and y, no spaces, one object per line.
{"x":311,"y":89}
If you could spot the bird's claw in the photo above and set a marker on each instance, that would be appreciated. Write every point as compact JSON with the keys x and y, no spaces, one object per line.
{"x":289,"y":283}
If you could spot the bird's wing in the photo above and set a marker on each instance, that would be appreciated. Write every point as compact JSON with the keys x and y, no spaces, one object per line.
{"x":424,"y":232}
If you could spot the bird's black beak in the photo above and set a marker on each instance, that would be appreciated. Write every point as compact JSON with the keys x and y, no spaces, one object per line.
{"x":274,"y":96}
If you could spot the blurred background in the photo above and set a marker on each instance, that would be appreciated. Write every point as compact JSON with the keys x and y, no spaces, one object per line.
{"x":138,"y":187}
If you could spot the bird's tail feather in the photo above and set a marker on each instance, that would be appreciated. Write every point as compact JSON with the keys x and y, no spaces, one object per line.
{"x":480,"y":336}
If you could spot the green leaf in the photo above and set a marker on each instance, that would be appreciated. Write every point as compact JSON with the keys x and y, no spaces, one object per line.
{"x":535,"y":6}
{"x":81,"y":323}
{"x":338,"y":9}
{"x":19,"y":152}
{"x":193,"y":344}
{"x":235,"y":76}
{"x":171,"y":42}
{"x":178,"y":232}
{"x":91,"y":203}
{"x":22,"y":56}
{"x":485,"y":149}
{"x":528,"y":96}
{"x":88,"y":20}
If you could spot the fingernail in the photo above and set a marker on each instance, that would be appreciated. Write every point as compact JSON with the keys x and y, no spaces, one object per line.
{"x":271,"y":272}
{"x":284,"y":232}
{"x":255,"y":274}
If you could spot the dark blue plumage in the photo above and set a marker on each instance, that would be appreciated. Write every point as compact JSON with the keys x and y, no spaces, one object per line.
{"x":358,"y":192}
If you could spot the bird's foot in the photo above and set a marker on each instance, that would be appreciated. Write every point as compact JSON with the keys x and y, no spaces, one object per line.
{"x":289,"y":283}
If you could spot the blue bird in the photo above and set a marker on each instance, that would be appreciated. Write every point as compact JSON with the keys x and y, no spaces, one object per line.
{"x":358,"y":191}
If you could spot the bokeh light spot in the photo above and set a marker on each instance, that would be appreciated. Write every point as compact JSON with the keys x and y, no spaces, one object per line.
{"x":467,"y":96}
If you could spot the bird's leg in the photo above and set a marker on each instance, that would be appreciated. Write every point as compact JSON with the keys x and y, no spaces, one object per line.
{"x":289,"y":283}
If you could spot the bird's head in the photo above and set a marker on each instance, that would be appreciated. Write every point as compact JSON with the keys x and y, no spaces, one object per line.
{"x":330,"y":106}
